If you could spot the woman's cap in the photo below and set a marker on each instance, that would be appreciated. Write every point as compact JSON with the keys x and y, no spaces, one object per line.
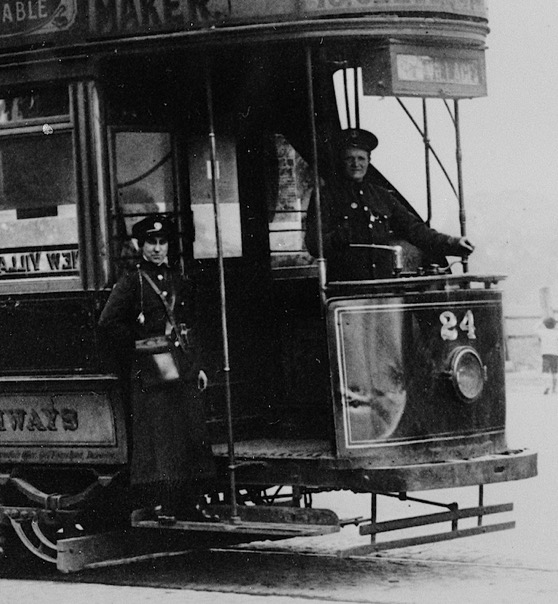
{"x":153,"y":226}
{"x":357,"y":138}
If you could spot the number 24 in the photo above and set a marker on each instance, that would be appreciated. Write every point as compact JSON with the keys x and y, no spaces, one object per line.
{"x":449,"y":325}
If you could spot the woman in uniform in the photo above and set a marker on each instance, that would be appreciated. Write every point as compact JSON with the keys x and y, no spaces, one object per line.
{"x":171,"y":459}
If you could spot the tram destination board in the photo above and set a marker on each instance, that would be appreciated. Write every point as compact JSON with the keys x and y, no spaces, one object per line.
{"x":413,"y":70}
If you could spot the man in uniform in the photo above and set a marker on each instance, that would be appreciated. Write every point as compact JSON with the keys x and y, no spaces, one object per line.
{"x":357,"y":212}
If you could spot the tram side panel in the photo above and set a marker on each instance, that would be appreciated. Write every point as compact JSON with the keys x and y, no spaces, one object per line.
{"x":48,"y":333}
{"x":418,"y":378}
{"x":58,"y":404}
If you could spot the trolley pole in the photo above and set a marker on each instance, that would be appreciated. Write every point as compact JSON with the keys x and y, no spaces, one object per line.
{"x":322,"y":275}
{"x":459,"y":161}
{"x":223,"y":298}
{"x":426,"y":141}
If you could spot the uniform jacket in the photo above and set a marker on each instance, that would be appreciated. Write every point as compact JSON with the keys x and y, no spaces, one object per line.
{"x":132,"y":297}
{"x":366,"y":213}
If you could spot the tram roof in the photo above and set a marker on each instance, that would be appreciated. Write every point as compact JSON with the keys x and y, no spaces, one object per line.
{"x":70,"y":24}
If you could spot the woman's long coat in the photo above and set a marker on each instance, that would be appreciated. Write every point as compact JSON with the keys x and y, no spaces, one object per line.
{"x":170,"y":442}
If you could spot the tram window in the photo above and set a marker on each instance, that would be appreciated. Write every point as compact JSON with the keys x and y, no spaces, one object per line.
{"x":34,"y":106}
{"x":38,"y":218}
{"x":202,"y":197}
{"x":287,"y":205}
{"x":145,"y":175}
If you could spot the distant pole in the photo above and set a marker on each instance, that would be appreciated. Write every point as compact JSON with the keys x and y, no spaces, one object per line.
{"x":546,"y":303}
{"x":426,"y":141}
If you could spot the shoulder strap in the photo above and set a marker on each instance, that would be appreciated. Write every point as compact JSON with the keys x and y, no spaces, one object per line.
{"x":168,"y":309}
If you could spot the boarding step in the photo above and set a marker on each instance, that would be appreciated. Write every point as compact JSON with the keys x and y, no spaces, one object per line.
{"x":265,"y":522}
{"x":149,"y":538}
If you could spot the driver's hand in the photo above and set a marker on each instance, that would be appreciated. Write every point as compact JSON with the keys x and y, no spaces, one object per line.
{"x":466,"y":246}
{"x":202,"y":380}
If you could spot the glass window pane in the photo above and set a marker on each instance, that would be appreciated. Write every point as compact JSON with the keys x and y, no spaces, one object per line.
{"x":38,"y":221}
{"x":288,"y":207}
{"x":199,"y":159}
{"x":144,"y":172}
{"x":371,"y":376}
{"x":25,"y":109}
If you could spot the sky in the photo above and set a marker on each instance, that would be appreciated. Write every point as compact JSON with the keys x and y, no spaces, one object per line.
{"x":509,"y":144}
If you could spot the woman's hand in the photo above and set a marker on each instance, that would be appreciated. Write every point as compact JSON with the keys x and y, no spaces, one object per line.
{"x":202,"y":380}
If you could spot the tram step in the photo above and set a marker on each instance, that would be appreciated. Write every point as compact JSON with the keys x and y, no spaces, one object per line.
{"x":149,"y":538}
{"x":263,"y":530}
{"x":266,"y":522}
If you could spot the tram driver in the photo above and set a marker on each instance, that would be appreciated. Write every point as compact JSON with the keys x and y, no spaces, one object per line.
{"x":357,"y":212}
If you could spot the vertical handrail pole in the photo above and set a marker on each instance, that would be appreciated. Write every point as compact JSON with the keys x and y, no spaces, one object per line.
{"x":481,"y":503}
{"x":459,"y":161}
{"x":357,"y":96}
{"x":346,"y":94}
{"x":373,"y":514}
{"x":426,"y":141}
{"x":317,"y":198}
{"x":222,"y":290}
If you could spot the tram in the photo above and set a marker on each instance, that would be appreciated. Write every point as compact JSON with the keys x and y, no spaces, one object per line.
{"x":220,"y":115}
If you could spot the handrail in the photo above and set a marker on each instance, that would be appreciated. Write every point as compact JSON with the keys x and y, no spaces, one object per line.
{"x":414,"y":283}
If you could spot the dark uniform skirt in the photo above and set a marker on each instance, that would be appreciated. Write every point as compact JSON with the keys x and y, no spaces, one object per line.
{"x":171,"y":450}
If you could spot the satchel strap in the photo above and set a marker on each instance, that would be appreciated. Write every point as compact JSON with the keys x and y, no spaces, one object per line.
{"x":168,"y":308}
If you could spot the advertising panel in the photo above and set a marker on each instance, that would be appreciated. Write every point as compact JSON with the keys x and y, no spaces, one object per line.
{"x":37,"y":17}
{"x":22,"y":21}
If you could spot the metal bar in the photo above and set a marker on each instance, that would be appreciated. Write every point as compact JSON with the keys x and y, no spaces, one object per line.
{"x":481,"y":503}
{"x":452,"y":117}
{"x":61,"y":501}
{"x":222,"y":290}
{"x":357,"y":96}
{"x":373,"y":514}
{"x":427,"y":162}
{"x":405,"y":497}
{"x":41,"y":536}
{"x":461,"y":198}
{"x":401,"y":523}
{"x":346,"y":94}
{"x":322,"y":274}
{"x":434,"y":154}
{"x":18,"y":528}
{"x":363,"y":550}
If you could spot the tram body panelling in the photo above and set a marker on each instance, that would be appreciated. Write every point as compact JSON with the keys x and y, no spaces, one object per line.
{"x":411,"y":365}
{"x":310,"y":382}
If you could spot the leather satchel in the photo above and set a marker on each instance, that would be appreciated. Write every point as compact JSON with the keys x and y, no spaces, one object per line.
{"x":164,"y":359}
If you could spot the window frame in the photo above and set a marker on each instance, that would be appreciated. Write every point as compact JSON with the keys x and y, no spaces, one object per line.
{"x":35,"y":127}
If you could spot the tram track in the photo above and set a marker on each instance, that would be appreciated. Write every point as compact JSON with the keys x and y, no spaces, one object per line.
{"x":312,"y":576}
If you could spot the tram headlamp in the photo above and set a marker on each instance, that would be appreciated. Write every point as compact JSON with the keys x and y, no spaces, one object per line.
{"x":467,"y":373}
